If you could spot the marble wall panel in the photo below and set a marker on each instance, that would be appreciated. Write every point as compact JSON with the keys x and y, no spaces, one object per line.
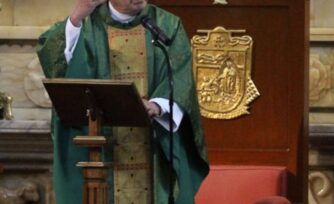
{"x":21,"y":77}
{"x":23,"y":13}
{"x":321,"y":118}
{"x":48,"y":11}
{"x":6,"y":12}
{"x":321,"y":84}
{"x":322,"y":14}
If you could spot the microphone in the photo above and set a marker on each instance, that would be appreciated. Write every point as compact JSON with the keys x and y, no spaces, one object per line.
{"x":157,"y":33}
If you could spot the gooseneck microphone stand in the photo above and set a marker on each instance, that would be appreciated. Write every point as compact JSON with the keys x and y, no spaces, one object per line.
{"x":157,"y":43}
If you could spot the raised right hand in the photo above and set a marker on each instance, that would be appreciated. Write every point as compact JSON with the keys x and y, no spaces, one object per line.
{"x":82,"y":9}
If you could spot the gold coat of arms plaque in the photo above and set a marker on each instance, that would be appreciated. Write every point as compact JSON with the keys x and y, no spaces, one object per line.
{"x":222,"y":70}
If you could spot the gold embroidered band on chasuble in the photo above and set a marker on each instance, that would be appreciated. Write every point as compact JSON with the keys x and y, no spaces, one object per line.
{"x":132,"y":147}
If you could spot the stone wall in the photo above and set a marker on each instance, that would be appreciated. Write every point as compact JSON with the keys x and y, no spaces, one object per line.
{"x":25,"y":141}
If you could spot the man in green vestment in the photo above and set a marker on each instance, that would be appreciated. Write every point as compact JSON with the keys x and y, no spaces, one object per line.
{"x":105,"y":40}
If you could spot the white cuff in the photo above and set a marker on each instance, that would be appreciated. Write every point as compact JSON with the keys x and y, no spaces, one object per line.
{"x":72,"y":34}
{"x":163,"y":119}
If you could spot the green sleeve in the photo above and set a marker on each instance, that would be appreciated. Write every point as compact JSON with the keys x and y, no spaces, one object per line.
{"x":84,"y":62}
{"x":50,"y":50}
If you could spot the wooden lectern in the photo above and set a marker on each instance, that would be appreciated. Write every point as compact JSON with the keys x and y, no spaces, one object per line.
{"x":96,"y":103}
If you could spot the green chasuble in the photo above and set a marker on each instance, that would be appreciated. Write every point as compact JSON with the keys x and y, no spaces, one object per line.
{"x":91,"y":60}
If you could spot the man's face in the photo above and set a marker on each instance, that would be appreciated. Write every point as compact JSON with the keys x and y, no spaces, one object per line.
{"x":131,"y":7}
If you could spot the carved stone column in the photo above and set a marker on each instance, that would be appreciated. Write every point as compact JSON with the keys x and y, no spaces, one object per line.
{"x":321,"y":164}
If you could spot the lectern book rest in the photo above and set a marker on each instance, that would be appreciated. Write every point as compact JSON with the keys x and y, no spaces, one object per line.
{"x":119,"y":101}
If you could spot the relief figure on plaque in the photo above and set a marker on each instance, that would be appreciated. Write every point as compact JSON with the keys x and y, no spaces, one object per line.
{"x":208,"y":88}
{"x":222,"y":87}
{"x":227,"y":77}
